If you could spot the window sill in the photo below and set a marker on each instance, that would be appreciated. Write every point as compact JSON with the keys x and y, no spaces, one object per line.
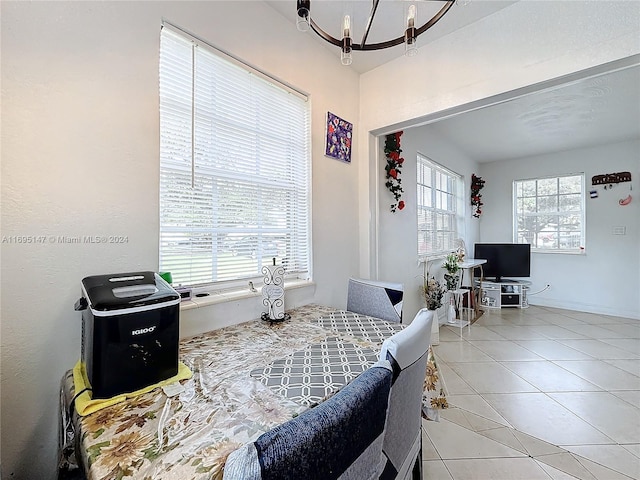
{"x":221,"y":296}
{"x":433,"y":258}
{"x":556,"y":251}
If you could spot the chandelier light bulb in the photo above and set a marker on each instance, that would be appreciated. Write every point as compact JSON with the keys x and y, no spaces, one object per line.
{"x":302,"y":22}
{"x":411,"y":16}
{"x":411,"y":49}
{"x":410,"y":44}
{"x":346,"y":57}
{"x":346,"y":26}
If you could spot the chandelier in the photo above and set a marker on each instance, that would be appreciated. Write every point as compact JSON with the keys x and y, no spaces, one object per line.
{"x":305,"y":22}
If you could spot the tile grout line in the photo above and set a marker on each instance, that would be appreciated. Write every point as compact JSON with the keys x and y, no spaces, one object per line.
{"x":495,"y":329}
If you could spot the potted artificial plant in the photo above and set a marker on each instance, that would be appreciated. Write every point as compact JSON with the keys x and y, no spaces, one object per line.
{"x":452,"y":276}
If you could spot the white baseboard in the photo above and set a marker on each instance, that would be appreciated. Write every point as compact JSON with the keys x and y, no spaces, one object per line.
{"x":614,"y":311}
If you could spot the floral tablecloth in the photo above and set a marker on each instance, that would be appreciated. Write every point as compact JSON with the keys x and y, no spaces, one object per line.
{"x":190,"y":435}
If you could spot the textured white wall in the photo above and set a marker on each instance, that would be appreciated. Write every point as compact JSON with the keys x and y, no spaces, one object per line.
{"x":398,"y":233}
{"x":80,"y":157}
{"x":607,"y":278}
{"x":80,"y":150}
{"x":525,"y":43}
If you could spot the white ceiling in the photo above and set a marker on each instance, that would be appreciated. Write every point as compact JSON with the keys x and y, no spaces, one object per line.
{"x":598,"y":109}
{"x":584,"y":113}
{"x":389,"y":22}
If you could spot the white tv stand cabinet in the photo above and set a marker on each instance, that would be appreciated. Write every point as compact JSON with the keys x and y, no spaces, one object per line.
{"x":506,"y":293}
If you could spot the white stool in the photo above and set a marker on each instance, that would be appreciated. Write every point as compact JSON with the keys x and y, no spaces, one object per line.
{"x":459,"y":295}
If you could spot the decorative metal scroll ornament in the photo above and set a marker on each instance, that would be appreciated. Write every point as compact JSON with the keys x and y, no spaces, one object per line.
{"x":273,"y":293}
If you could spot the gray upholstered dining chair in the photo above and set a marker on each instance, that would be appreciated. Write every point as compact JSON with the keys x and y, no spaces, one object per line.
{"x":407,"y":351}
{"x":376,"y":299}
{"x":339,"y":439}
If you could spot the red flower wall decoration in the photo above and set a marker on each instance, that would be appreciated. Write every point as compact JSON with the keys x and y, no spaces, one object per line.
{"x":393,"y":168}
{"x":477,"y":184}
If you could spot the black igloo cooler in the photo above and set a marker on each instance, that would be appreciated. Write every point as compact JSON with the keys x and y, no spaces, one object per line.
{"x":130,"y":329}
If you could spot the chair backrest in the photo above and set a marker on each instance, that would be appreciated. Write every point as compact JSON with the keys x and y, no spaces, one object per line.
{"x":339,"y":439}
{"x":407,"y":351}
{"x":376,"y":299}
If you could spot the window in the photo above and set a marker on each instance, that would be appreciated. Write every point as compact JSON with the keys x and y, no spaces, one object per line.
{"x":549,"y":213}
{"x":439,"y":202}
{"x":234,"y":168}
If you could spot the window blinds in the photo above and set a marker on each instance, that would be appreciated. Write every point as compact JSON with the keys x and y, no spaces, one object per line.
{"x":234,"y":168}
{"x":438,"y":204}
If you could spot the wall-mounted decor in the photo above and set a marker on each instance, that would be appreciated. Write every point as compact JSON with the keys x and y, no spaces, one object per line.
{"x":339,"y":138}
{"x":393,"y":168}
{"x":611,"y":178}
{"x":477,"y":184}
{"x":610,"y":181}
{"x":626,"y":200}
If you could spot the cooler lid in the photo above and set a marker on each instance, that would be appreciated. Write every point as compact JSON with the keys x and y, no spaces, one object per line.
{"x":125,"y":291}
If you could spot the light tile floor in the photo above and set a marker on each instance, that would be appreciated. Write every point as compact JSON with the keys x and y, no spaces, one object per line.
{"x":537,"y":393}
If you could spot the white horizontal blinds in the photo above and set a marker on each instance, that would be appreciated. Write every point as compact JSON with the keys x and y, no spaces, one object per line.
{"x":438,"y":190}
{"x":234,"y":168}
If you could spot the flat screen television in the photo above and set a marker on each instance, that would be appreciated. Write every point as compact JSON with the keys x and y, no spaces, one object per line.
{"x":504,"y":260}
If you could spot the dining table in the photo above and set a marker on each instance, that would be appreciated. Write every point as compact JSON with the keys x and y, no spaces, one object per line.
{"x":247,"y":379}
